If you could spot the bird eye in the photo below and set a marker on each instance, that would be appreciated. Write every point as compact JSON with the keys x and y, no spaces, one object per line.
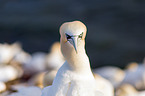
{"x":68,"y":36}
{"x":81,"y":35}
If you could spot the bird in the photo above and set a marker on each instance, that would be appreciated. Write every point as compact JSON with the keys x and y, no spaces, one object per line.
{"x":74,"y":77}
{"x":49,"y":77}
{"x":135,"y":75}
{"x":27,"y":91}
{"x":37,"y":79}
{"x":21,"y":58}
{"x":54,"y":59}
{"x":8,"y":51}
{"x":112,"y":73}
{"x":9,"y":73}
{"x":104,"y":85}
{"x":128,"y":90}
{"x":37,"y":62}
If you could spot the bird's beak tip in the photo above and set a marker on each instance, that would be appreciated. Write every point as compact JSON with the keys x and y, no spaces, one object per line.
{"x":76,"y":51}
{"x":75,"y":48}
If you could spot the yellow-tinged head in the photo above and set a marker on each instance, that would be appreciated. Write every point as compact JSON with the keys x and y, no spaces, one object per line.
{"x":73,"y":33}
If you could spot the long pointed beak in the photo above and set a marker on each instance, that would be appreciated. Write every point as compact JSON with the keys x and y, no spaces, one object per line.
{"x":75,"y":43}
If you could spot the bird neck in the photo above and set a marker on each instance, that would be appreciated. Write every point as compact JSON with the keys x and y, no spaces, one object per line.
{"x":77,"y":61}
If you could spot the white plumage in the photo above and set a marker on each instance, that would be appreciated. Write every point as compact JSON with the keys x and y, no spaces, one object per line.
{"x":104,"y":85}
{"x":54,"y":59}
{"x":27,"y":91}
{"x":114,"y":74}
{"x":49,"y":77}
{"x":37,"y":62}
{"x":74,"y":78}
{"x":128,"y":90}
{"x":7,"y":52}
{"x":8,"y":73}
{"x":135,"y":75}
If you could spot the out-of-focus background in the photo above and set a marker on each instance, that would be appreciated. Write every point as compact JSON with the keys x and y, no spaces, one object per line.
{"x":115,"y":43}
{"x":116,"y":28}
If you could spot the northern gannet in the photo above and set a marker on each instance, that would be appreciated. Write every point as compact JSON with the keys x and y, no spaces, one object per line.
{"x":54,"y":59}
{"x":37,"y":80}
{"x":27,"y":91}
{"x":114,"y":74}
{"x":128,"y":90}
{"x":8,"y":51}
{"x":74,"y":78}
{"x":9,"y":72}
{"x":49,"y":77}
{"x":104,"y":85}
{"x":135,"y":75}
{"x":37,"y":62}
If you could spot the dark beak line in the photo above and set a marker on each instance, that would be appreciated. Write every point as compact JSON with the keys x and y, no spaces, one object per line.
{"x":74,"y":39}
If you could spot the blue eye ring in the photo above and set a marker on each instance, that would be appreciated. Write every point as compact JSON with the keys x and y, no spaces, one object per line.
{"x":68,"y":36}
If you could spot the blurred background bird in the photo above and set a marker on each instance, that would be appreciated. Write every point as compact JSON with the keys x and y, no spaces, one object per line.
{"x":128,"y":90}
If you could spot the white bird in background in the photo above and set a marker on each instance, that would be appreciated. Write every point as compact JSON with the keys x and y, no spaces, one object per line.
{"x":8,"y":73}
{"x":28,"y":91}
{"x":7,"y":52}
{"x":55,"y":59}
{"x":13,"y":54}
{"x":128,"y":90}
{"x":37,"y":80}
{"x":49,"y":77}
{"x":21,"y":58}
{"x":37,"y":62}
{"x":135,"y":75}
{"x":104,"y":85}
{"x":114,"y":74}
{"x":74,"y":78}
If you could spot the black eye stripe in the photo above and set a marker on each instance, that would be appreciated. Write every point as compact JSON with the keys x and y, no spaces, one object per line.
{"x":68,"y":36}
{"x":79,"y":36}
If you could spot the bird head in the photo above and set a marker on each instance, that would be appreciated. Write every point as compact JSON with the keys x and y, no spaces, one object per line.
{"x":72,"y":33}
